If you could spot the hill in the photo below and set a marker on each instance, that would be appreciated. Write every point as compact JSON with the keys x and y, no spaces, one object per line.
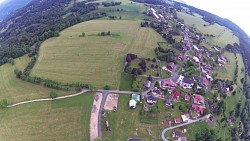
{"x":9,"y":6}
{"x":94,"y":59}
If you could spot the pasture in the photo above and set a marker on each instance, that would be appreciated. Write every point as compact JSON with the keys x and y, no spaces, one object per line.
{"x":16,"y":90}
{"x":223,"y":35}
{"x":93,"y":59}
{"x":59,"y":120}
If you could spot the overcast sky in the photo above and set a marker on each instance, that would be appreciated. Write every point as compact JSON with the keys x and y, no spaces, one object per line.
{"x":237,"y":11}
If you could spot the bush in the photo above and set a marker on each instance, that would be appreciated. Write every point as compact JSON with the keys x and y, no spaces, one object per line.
{"x":106,"y":87}
{"x":3,"y":103}
{"x":53,"y":95}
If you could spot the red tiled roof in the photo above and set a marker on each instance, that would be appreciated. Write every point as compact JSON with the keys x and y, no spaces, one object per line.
{"x":198,"y":99}
{"x":198,"y":108}
{"x":177,"y":120}
{"x":169,"y":83}
{"x":176,"y":94}
{"x":205,"y":81}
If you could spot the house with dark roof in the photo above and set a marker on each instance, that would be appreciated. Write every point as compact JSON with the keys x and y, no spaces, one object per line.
{"x":147,"y":84}
{"x":177,"y":134}
{"x":171,"y":65}
{"x":186,"y":83}
{"x":151,"y":100}
{"x":168,"y":102}
{"x":156,"y":91}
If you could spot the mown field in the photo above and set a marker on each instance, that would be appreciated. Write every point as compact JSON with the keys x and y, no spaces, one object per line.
{"x":16,"y":90}
{"x":93,"y":59}
{"x":228,"y":71}
{"x":59,"y":120}
{"x":223,"y":35}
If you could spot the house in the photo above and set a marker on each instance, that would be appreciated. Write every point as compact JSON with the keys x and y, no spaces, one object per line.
{"x":209,"y":77}
{"x":132,"y":104}
{"x":196,"y":59}
{"x":156,"y":91}
{"x":147,"y":84}
{"x":196,"y":48}
{"x":151,"y":100}
{"x":180,"y":56}
{"x":168,"y":102}
{"x":198,"y":99}
{"x":155,"y":15}
{"x":184,"y":118}
{"x":153,"y":10}
{"x":168,"y":84}
{"x":205,"y":82}
{"x":200,"y":56}
{"x":221,"y":59}
{"x":186,"y":83}
{"x":177,"y":134}
{"x":182,"y":139}
{"x":176,"y":95}
{"x":169,"y":122}
{"x":177,"y":120}
{"x":187,"y":97}
{"x":198,"y":108}
{"x":171,"y":65}
{"x":135,"y":97}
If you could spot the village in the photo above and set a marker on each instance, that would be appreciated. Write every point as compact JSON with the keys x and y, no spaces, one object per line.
{"x":189,"y":86}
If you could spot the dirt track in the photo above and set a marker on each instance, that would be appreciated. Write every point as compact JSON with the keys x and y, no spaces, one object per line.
{"x":111,"y":102}
{"x":94,"y":116}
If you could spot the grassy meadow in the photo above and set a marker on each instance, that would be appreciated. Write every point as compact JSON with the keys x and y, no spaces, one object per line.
{"x":93,"y":59}
{"x":16,"y":90}
{"x":59,"y":120}
{"x":223,"y":35}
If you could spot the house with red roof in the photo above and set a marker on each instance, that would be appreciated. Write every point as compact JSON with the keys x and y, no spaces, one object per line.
{"x":176,"y":95}
{"x":180,"y":56}
{"x":177,"y":120}
{"x":200,"y":56}
{"x":205,"y":82}
{"x":169,"y":122}
{"x":187,"y":97}
{"x":198,"y":108}
{"x":169,"y":83}
{"x":198,"y":99}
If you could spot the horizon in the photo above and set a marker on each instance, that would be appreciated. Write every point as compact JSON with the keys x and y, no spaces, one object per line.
{"x":231,"y":10}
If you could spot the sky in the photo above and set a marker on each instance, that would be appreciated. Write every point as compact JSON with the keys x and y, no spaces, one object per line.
{"x":1,"y":1}
{"x":238,"y":11}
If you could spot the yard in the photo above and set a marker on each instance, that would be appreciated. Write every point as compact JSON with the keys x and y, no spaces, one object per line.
{"x":124,"y":122}
{"x":16,"y":90}
{"x":61,"y":120}
{"x":97,"y":60}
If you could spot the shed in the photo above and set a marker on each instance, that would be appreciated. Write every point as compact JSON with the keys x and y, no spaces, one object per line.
{"x":132,"y":104}
{"x":135,"y":97}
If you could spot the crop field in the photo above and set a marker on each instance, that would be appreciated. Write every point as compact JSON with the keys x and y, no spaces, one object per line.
{"x":59,"y":120}
{"x":223,"y":35}
{"x":93,"y":59}
{"x":16,"y":90}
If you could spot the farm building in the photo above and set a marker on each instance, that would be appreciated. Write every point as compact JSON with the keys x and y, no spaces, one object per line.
{"x":132,"y":104}
{"x":135,"y":97}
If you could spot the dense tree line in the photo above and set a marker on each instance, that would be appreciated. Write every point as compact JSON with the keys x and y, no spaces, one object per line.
{"x":39,"y":21}
{"x":112,"y":3}
{"x":165,"y":54}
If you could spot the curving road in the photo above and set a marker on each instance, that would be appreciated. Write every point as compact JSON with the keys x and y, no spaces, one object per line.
{"x":180,"y":125}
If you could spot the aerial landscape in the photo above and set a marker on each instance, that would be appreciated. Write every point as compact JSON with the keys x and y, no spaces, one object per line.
{"x":121,"y":70}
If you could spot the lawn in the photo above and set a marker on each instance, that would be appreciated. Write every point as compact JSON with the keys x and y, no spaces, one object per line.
{"x":125,"y":121}
{"x":95,"y":60}
{"x":59,"y":120}
{"x":223,"y":35}
{"x":16,"y":90}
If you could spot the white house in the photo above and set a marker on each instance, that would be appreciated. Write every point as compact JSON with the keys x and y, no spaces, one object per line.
{"x":132,"y":104}
{"x":196,"y":59}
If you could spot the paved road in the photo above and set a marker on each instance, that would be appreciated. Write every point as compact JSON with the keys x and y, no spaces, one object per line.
{"x":48,"y":99}
{"x":180,"y":125}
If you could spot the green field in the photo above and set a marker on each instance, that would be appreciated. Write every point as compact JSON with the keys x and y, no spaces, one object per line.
{"x":59,"y":120}
{"x":95,"y":60}
{"x":228,"y":71}
{"x":223,"y":35}
{"x":16,"y":90}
